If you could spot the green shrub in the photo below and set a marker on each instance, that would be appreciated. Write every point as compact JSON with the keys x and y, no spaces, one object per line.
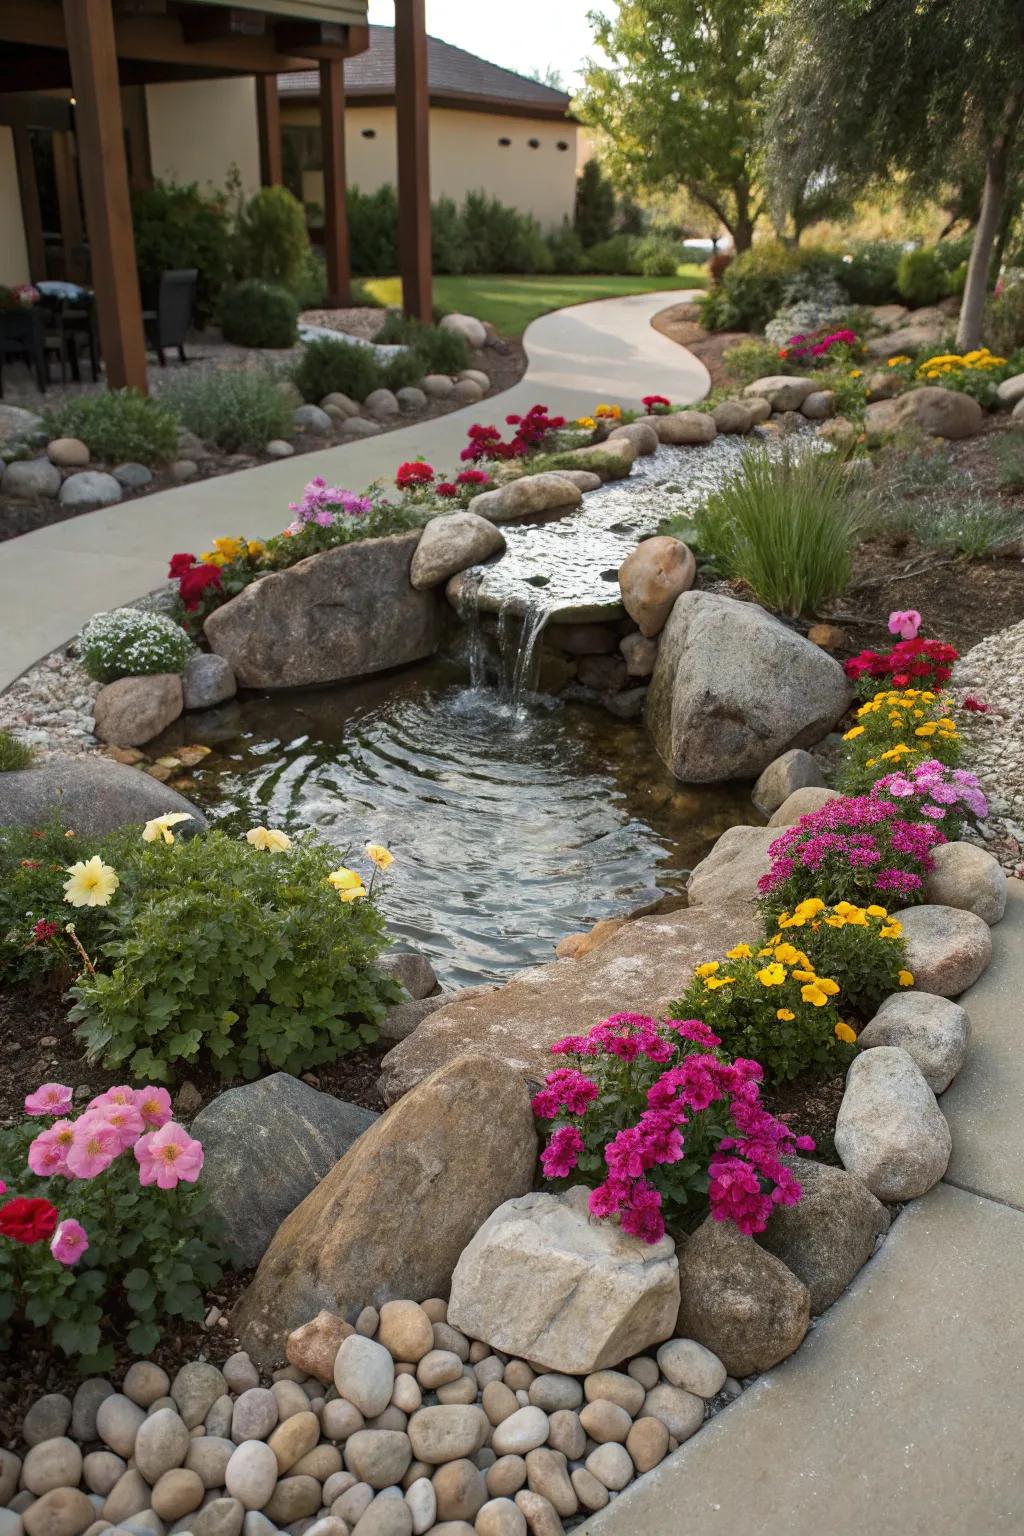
{"x":259,"y":314}
{"x":446,"y":242}
{"x":566,"y":249}
{"x":326,"y":366}
{"x":614,"y":255}
{"x":237,"y":955}
{"x":594,"y":212}
{"x":869,"y":276}
{"x":14,"y":754}
{"x":786,"y":527}
{"x":861,"y":947}
{"x":401,"y":371}
{"x":130,"y":642}
{"x":438,"y":351}
{"x":373,"y":231}
{"x":271,"y":240}
{"x":1009,"y":452}
{"x":311,"y":288}
{"x":1004,"y":320}
{"x":179,"y":226}
{"x":920,"y":279}
{"x":750,"y":360}
{"x":117,"y":426}
{"x":752,"y":287}
{"x":239,"y":409}
{"x":655,"y":256}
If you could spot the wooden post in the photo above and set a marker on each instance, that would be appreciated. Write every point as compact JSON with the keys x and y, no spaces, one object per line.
{"x":412,"y":109}
{"x":99,"y":126}
{"x":332,"y":129}
{"x":31,"y":214}
{"x":268,"y":115}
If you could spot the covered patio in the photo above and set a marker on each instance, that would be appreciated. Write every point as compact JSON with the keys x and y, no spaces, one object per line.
{"x":81,"y":66}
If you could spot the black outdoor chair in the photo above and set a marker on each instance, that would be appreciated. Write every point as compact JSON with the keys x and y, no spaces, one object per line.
{"x":22,"y":336}
{"x":168,"y":324}
{"x":69,"y":325}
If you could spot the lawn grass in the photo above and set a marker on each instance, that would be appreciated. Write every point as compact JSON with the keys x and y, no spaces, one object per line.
{"x":510,"y":303}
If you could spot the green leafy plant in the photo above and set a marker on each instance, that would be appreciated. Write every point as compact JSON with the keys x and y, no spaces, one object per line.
{"x":869,"y":275}
{"x":236,"y":953}
{"x":328,"y":366}
{"x":259,"y":314}
{"x":756,"y":284}
{"x":974,"y":525}
{"x":271,"y":239}
{"x":897,"y":728}
{"x":438,"y":351}
{"x":35,"y":947}
{"x":920,"y":278}
{"x":14,"y":754}
{"x":594,"y":212}
{"x":130,"y":642}
{"x":180,"y":227}
{"x":862,"y":947}
{"x":239,"y":409}
{"x":1003,"y":326}
{"x":118,"y":426}
{"x":787,"y":527}
{"x":750,"y":360}
{"x":1009,"y":456}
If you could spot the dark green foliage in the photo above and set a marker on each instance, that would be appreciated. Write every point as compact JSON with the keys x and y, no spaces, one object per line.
{"x":566,"y":249}
{"x":14,"y":754}
{"x":239,"y":409}
{"x":870,"y":278}
{"x":595,"y":205}
{"x":1003,"y":328}
{"x":438,"y":351}
{"x":373,"y":231}
{"x":613,"y":255}
{"x":259,"y":314}
{"x":920,"y":278}
{"x":117,"y":426}
{"x":753,"y":286}
{"x":328,"y":366}
{"x":179,"y":226}
{"x":271,"y":241}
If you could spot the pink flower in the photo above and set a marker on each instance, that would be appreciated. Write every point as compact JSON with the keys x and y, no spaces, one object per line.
{"x":559,"y":1156}
{"x":154,"y":1105}
{"x":120,"y":1095}
{"x":167,"y":1156}
{"x":905,"y":622}
{"x":49,"y":1099}
{"x":69,"y":1242}
{"x":48,"y":1154}
{"x":94,"y":1145}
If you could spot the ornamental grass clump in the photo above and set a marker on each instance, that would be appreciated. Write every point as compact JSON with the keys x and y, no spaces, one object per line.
{"x":861,"y":946}
{"x":896,"y":730}
{"x":948,"y":797}
{"x":661,"y":1126}
{"x":131,"y":642}
{"x":772,"y":1004}
{"x":853,"y":849}
{"x":102,"y":1223}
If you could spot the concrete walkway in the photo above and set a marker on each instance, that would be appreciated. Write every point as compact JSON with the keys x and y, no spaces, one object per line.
{"x":900,"y":1414}
{"x":53,"y":580}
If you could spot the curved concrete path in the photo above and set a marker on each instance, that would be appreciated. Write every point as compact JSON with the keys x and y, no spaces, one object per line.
{"x":53,"y":580}
{"x":900,"y":1413}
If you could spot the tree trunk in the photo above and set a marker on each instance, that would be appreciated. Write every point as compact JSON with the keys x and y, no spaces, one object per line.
{"x":968,"y":334}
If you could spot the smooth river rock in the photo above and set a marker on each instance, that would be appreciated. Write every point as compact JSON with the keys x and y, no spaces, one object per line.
{"x":829,"y":1234}
{"x":453,"y":543}
{"x":969,"y":878}
{"x":92,"y":795}
{"x":933,"y":1030}
{"x":890,"y":1132}
{"x":946,"y":949}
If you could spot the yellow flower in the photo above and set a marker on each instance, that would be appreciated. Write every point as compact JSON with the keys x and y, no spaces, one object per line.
{"x":161,"y":826}
{"x":353,"y":894}
{"x":772,"y":975}
{"x":211,"y":557}
{"x":255,"y":548}
{"x":265,"y":837}
{"x":810,"y":906}
{"x":92,"y":883}
{"x":714,"y":982}
{"x":829,"y":987}
{"x":587,"y":422}
{"x":893,"y":930}
{"x":380,"y":855}
{"x":845,"y":1033}
{"x":229,"y":548}
{"x":786,"y":954}
{"x":835,"y":922}
{"x":894,"y":362}
{"x":739,"y":952}
{"x":876,"y":911}
{"x":854,"y":732}
{"x":347,"y":883}
{"x":906,"y":978}
{"x":855,"y":373}
{"x":814,"y":995}
{"x":805,"y":975}
{"x":928,"y":729}
{"x":785,"y":1014}
{"x":708,"y":968}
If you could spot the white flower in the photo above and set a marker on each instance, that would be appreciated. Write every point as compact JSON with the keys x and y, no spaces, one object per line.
{"x":161,"y":826}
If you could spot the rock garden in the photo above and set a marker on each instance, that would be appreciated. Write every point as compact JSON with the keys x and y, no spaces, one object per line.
{"x":293,"y":1239}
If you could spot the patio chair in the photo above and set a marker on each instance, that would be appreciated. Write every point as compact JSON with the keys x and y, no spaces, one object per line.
{"x":168,"y":324}
{"x":22,"y":336}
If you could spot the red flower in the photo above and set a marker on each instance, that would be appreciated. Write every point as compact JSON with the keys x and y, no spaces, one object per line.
{"x":446,"y":488}
{"x":43,"y":929}
{"x":976,"y":706}
{"x":650,"y":401}
{"x":180,"y":564}
{"x":413,"y":474}
{"x":472,"y":477}
{"x":192,"y":584}
{"x":27,"y":1221}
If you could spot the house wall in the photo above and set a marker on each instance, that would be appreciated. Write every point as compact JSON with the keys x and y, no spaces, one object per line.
{"x":199,"y":129}
{"x":14,"y":266}
{"x":465,"y":156}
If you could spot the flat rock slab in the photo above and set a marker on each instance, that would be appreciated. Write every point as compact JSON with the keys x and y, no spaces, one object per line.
{"x":639,"y":970}
{"x":898,"y":1415}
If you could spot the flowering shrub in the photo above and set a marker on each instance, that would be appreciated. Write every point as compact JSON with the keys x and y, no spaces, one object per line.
{"x":863,"y":946}
{"x":103,"y":1216}
{"x":894,"y":730}
{"x":656,"y":405}
{"x":21,"y":296}
{"x":129,"y":642}
{"x":946,"y":796}
{"x":237,"y":951}
{"x":771,"y":1004}
{"x":976,"y":373}
{"x":535,"y":432}
{"x":919,"y":662}
{"x":851,"y":848}
{"x":824,"y":346}
{"x":660,"y":1125}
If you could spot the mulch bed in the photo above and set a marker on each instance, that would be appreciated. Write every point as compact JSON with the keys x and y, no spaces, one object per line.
{"x":681,"y":323}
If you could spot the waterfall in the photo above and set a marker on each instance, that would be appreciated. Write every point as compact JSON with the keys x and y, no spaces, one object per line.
{"x":469,"y":613}
{"x":519,"y":630}
{"x":518,"y":668}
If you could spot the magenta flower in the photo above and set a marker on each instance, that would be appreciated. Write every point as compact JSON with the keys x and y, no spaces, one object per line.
{"x":559,"y":1156}
{"x":905,"y":622}
{"x":69,"y":1242}
{"x":154,"y":1105}
{"x":94,"y":1145}
{"x":49,"y":1099}
{"x":48,"y":1154}
{"x":168,"y":1156}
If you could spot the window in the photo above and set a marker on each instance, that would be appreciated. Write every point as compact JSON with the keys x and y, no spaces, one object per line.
{"x":562,"y":144}
{"x":504,"y":143}
{"x":534,"y":143}
{"x":369,"y":133}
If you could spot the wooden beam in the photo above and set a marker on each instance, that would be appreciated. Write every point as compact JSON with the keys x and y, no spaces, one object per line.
{"x":136,"y":122}
{"x":99,"y":128}
{"x":215,"y":23}
{"x":268,"y":117}
{"x":332,"y":129}
{"x":68,"y":203}
{"x":31,"y":214}
{"x":412,"y":110}
{"x":313,"y":39}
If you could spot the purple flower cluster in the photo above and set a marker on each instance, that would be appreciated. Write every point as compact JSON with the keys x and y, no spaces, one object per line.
{"x":851,"y":844}
{"x":938,"y":792}
{"x":322,"y":504}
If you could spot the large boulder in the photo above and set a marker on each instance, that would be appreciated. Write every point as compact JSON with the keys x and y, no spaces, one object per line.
{"x":738,"y":1300}
{"x":393,"y":1216}
{"x":472,"y":330}
{"x":266,"y":1145}
{"x":683,"y":429}
{"x":829,"y":1234}
{"x":526,"y":497}
{"x":939,"y":412}
{"x":802,"y":802}
{"x":542,"y":1280}
{"x":733,"y":688}
{"x":612,"y":460}
{"x":30,"y":479}
{"x":783,"y":391}
{"x":969,"y":878}
{"x":91,"y":794}
{"x":889,"y":1131}
{"x":735,"y":417}
{"x":1011,"y":390}
{"x":640,"y":969}
{"x":640,"y":433}
{"x":907,"y":339}
{"x":651,"y":578}
{"x":344,"y":613}
{"x":453,"y":543}
{"x":89,"y":489}
{"x":933,"y":1030}
{"x":794,"y":770}
{"x":133,"y":710}
{"x":730,"y":872}
{"x":946,"y":949}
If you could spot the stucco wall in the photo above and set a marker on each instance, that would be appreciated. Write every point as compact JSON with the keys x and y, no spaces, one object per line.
{"x":465,"y":156}
{"x":199,"y":129}
{"x":13,"y":251}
